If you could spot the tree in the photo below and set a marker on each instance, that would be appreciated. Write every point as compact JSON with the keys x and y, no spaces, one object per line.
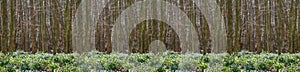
{"x":4,"y":39}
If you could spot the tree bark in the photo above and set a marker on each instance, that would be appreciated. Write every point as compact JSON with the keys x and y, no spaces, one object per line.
{"x":237,"y":42}
{"x":13,"y":25}
{"x":257,"y":24}
{"x":229,"y":25}
{"x":4,"y":41}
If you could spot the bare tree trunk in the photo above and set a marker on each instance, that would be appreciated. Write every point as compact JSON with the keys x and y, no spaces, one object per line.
{"x":280,"y":25}
{"x":237,"y":40}
{"x":247,"y":23}
{"x":229,"y":25}
{"x":298,"y":26}
{"x":292,"y":26}
{"x":273,"y":27}
{"x":4,"y":41}
{"x":19,"y":26}
{"x":251,"y":27}
{"x":68,"y":22}
{"x":1,"y":15}
{"x":13,"y":25}
{"x":55,"y":20}
{"x":41,"y":21}
{"x":48,"y":27}
{"x":267,"y":30}
{"x":26,"y":24}
{"x":1,"y":25}
{"x":257,"y":24}
{"x":32,"y":27}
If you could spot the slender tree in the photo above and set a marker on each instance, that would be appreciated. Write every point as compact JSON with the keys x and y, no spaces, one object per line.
{"x":47,"y":27}
{"x":68,"y":21}
{"x":4,"y":28}
{"x":13,"y":25}
{"x":292,"y":26}
{"x":229,"y":25}
{"x":74,"y":6}
{"x":296,"y":38}
{"x":55,"y":24}
{"x":244,"y":25}
{"x":257,"y":24}
{"x":19,"y":26}
{"x":280,"y":25}
{"x":267,"y":32}
{"x":251,"y":26}
{"x":41,"y":22}
{"x":274,"y":18}
{"x":298,"y":33}
{"x":33,"y":27}
{"x":1,"y":25}
{"x":238,"y":25}
{"x":26,"y":25}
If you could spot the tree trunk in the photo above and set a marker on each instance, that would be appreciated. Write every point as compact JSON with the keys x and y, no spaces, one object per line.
{"x":257,"y":24}
{"x":32,"y":27}
{"x":13,"y":25}
{"x":237,"y":39}
{"x":4,"y":41}
{"x":229,"y":25}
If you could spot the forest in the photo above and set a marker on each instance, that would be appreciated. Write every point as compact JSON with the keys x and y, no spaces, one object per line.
{"x":218,"y":30}
{"x":254,"y":25}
